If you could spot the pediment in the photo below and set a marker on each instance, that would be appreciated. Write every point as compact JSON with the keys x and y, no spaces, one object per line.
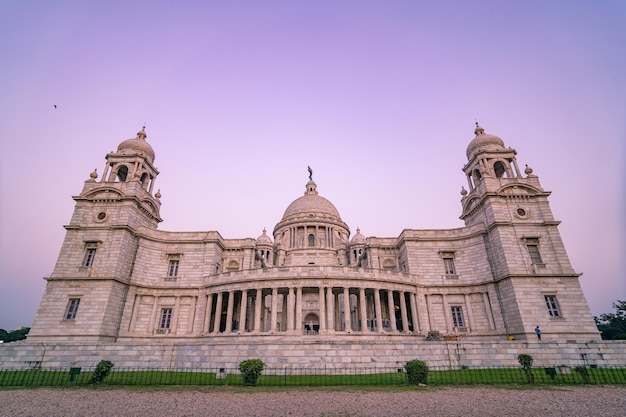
{"x":104,"y":194}
{"x":470,"y":205}
{"x":518,"y":189}
{"x":150,"y":207}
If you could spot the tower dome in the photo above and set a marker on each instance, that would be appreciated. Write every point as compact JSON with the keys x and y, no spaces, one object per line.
{"x":137,"y":145}
{"x":359,"y":238}
{"x":483,"y":141}
{"x":264,"y":239}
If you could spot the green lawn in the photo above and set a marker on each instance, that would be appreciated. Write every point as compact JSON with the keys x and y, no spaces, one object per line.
{"x":309,"y":377}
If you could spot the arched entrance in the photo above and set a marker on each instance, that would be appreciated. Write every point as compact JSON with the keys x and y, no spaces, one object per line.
{"x":311,"y":324}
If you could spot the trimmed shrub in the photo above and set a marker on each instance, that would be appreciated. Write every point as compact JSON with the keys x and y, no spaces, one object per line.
{"x":416,"y":372}
{"x":251,"y":370}
{"x":101,"y":372}
{"x":526,"y":361}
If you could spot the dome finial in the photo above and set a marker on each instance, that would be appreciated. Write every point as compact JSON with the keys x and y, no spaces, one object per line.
{"x":479,"y":130}
{"x":310,"y":173}
{"x":142,"y":133}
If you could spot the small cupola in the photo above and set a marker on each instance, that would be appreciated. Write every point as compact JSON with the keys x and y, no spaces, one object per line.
{"x":483,"y":141}
{"x":137,"y":145}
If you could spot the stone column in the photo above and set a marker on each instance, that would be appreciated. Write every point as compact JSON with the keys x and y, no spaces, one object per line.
{"x":337,"y":310}
{"x":447,"y":313}
{"x":347,"y":313}
{"x":363,"y":309}
{"x":192,"y":314}
{"x":229,"y":312}
{"x":243,"y":311}
{"x":392,"y":311}
{"x":414,"y":316}
{"x":517,"y":171}
{"x":133,"y":320}
{"x":331,"y":310}
{"x":274,"y":312}
{"x":322,"y":310}
{"x":174,"y":324}
{"x":258,"y":308}
{"x":404,"y":315}
{"x":488,"y":312}
{"x":429,"y":307}
{"x":379,"y":311}
{"x":290,"y":309}
{"x":299,"y":310}
{"x":153,"y":322}
{"x":470,"y":315}
{"x":218,"y":313}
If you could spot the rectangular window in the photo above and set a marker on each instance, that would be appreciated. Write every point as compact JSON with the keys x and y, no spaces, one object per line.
{"x":172,"y":271}
{"x":166,"y":319}
{"x":90,"y":254}
{"x":457,"y":317}
{"x":533,"y":251}
{"x":72,"y":308}
{"x":448,"y":264}
{"x":553,"y":306}
{"x":448,"y":261}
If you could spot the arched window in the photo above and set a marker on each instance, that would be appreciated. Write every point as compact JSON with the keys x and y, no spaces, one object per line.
{"x":144,"y":179}
{"x":389,"y":265}
{"x":122,"y":173}
{"x":311,"y":239}
{"x":499,"y":169}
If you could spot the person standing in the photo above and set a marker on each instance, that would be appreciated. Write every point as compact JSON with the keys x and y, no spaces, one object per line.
{"x":538,"y":331}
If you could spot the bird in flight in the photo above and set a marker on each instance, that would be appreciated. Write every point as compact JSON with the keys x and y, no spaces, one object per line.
{"x":55,"y":106}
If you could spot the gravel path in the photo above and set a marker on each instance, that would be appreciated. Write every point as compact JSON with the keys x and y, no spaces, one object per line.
{"x":432,"y":402}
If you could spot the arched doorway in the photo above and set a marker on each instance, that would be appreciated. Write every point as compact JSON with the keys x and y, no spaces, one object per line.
{"x":311,"y":324}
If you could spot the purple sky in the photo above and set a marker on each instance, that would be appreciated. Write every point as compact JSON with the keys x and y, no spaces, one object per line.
{"x":379,"y":98}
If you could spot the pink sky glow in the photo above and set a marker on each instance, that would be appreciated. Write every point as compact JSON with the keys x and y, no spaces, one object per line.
{"x":379,"y":98}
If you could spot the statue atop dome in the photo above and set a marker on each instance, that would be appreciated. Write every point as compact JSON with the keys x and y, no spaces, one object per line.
{"x":310,"y":173}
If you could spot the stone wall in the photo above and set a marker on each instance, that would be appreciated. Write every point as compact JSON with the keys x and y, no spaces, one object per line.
{"x":285,"y":352}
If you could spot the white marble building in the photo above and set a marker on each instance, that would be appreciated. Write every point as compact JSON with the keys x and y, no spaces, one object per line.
{"x":119,"y":279}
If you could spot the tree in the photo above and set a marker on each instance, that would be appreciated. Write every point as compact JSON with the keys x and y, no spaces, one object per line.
{"x":526,"y":361}
{"x":19,"y":334}
{"x":613,"y":325}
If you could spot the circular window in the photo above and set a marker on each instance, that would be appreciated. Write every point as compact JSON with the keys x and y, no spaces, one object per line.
{"x":102,"y":215}
{"x":521,"y":212}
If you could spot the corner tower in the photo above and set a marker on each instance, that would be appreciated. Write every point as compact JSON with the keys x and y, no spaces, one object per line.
{"x":492,"y":170}
{"x":94,"y":268}
{"x":534,"y":280}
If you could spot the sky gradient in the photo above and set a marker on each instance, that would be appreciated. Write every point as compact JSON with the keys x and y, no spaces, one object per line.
{"x":379,"y":98}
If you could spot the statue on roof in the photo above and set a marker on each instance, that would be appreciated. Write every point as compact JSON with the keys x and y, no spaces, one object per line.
{"x":310,"y":173}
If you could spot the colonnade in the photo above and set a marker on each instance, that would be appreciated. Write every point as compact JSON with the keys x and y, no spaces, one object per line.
{"x":305,"y":310}
{"x":299,"y":236}
{"x":311,"y":310}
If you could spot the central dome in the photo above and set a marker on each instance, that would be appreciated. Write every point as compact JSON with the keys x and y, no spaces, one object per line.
{"x":311,"y":203}
{"x":311,"y":210}
{"x":311,"y":231}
